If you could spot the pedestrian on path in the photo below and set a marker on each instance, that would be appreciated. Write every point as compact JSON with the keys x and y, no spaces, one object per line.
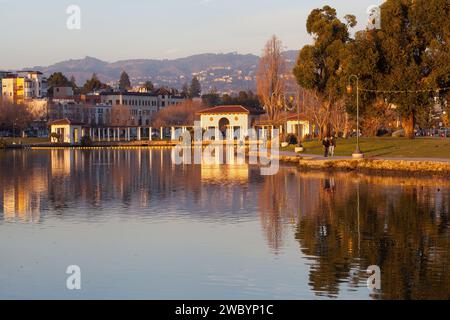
{"x":326,"y":146}
{"x":332,"y":146}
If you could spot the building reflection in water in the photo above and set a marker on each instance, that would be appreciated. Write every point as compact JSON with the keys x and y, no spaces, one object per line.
{"x":402,"y":223}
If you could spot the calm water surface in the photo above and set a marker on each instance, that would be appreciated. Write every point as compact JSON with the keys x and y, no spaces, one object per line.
{"x":140,"y":227}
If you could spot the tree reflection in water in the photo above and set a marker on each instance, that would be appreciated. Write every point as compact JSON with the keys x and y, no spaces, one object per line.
{"x":402,"y":223}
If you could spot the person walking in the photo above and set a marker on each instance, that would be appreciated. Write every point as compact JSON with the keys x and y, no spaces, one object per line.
{"x":332,"y":146}
{"x":326,"y":146}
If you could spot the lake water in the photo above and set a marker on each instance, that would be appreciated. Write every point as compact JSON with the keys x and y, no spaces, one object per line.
{"x":140,"y":227}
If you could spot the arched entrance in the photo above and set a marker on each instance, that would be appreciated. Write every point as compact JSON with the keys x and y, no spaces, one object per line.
{"x":224,"y":124}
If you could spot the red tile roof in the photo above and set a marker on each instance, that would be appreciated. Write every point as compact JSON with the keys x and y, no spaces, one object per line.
{"x":224,"y":109}
{"x":67,"y":122}
{"x":294,"y":117}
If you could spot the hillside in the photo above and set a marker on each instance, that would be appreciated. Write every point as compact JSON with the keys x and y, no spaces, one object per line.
{"x":226,"y":72}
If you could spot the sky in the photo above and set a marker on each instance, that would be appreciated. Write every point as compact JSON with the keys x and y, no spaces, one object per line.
{"x":35,"y":33}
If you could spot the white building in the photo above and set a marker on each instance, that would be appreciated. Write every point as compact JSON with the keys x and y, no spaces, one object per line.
{"x":67,"y":131}
{"x":298,"y":125}
{"x":234,"y":120}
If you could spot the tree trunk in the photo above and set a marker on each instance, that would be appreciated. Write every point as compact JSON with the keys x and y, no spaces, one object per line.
{"x":346,"y":125}
{"x":408,"y":124}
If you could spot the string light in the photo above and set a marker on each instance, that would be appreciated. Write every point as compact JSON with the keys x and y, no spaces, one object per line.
{"x":405,"y":91}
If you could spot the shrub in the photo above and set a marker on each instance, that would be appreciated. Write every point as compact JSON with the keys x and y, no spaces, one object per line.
{"x":3,"y":143}
{"x":86,"y":141}
{"x":56,"y":136}
{"x":291,"y":139}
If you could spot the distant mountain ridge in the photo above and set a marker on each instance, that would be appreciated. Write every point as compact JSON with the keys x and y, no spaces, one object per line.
{"x":227,"y":72}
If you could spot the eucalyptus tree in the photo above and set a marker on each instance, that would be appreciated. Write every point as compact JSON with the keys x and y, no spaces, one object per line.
{"x":319,"y":67}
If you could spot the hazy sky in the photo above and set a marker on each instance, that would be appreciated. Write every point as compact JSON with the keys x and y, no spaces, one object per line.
{"x":34,"y":32}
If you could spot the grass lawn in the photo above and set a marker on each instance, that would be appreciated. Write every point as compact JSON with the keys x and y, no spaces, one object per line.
{"x":25,"y":140}
{"x":387,"y":147}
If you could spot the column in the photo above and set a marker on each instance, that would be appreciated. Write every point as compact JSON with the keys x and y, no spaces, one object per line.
{"x":129,"y":133}
{"x":99,"y":134}
{"x":107,"y":134}
{"x":217,"y":134}
{"x":172,"y":133}
{"x":161,"y":133}
{"x":150,"y":134}
{"x":139,"y":133}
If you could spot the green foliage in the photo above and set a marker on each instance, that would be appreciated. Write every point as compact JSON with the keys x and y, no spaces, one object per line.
{"x":148,"y":85}
{"x":244,"y":98}
{"x":195,"y":90}
{"x":185,"y":90}
{"x":93,"y":84}
{"x":409,"y":53}
{"x":86,"y":141}
{"x":3,"y":143}
{"x":292,"y":139}
{"x":58,"y":79}
{"x":211,"y":99}
{"x":56,"y":136}
{"x":124,"y":82}
{"x":73,"y":83}
{"x":319,"y":66}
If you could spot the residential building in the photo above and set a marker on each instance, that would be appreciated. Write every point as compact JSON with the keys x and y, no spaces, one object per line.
{"x":61,"y":92}
{"x":93,"y":114}
{"x":25,"y":85}
{"x":140,"y":106}
{"x":3,"y":74}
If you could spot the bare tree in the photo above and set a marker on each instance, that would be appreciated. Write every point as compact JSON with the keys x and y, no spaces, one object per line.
{"x":182,"y":114}
{"x":270,"y":78}
{"x":339,"y":118}
{"x":16,"y":117}
{"x":317,"y":112}
{"x":121,"y":115}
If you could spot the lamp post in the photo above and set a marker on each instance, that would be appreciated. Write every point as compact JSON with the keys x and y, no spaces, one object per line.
{"x":289,"y":106}
{"x":357,"y":154}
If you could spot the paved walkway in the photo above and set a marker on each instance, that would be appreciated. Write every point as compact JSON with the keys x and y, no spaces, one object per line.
{"x":319,"y":157}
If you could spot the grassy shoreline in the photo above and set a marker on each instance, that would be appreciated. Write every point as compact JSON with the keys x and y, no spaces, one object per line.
{"x":386,"y":147}
{"x":429,"y":168}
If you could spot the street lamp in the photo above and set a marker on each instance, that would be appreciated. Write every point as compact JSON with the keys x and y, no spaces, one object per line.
{"x":290,"y":107}
{"x":357,"y":154}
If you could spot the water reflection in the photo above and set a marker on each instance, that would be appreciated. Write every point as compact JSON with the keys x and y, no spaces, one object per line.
{"x":341,"y":223}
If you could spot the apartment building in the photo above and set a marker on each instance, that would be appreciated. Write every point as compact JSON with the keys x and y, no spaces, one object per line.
{"x":25,"y":85}
{"x":3,"y":74}
{"x":141,"y":106}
